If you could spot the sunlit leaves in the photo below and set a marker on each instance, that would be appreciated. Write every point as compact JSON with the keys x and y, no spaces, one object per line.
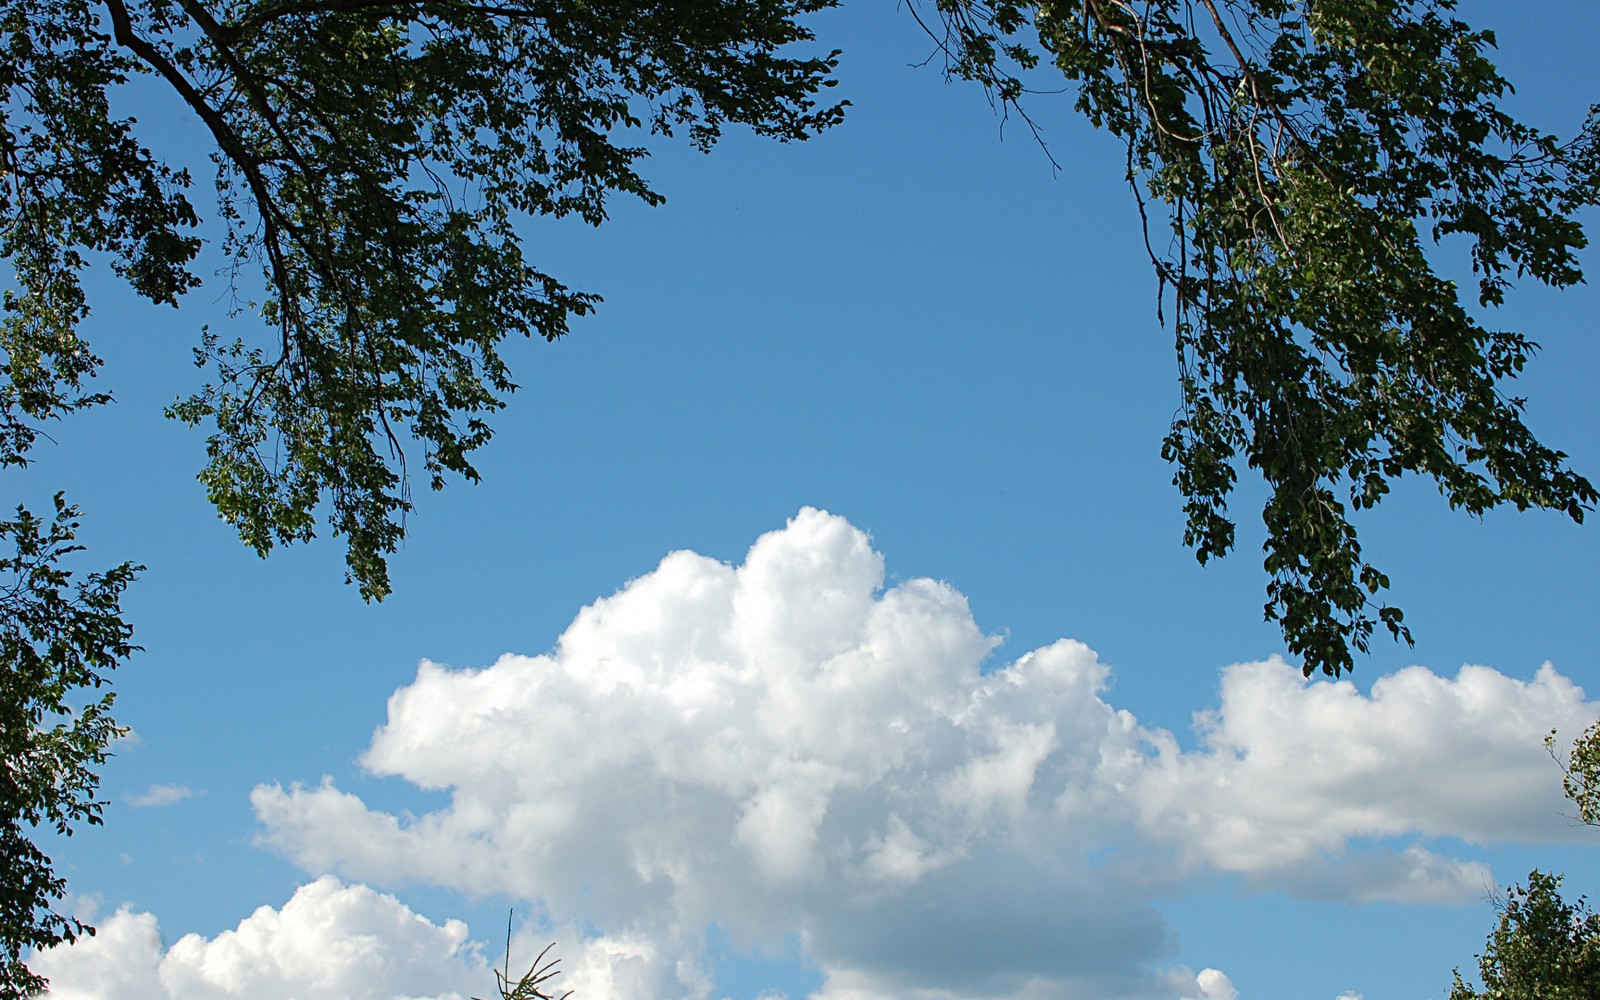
{"x":1580,"y":772}
{"x":1543,"y":948}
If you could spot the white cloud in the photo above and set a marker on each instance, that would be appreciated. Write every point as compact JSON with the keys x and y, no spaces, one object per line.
{"x":1208,"y":984}
{"x":1322,"y":763}
{"x":1213,"y":984}
{"x":122,"y":960}
{"x":329,"y":942}
{"x":160,"y":795}
{"x":784,"y":747}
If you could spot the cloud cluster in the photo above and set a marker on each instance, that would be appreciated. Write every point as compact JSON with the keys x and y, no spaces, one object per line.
{"x":329,"y":942}
{"x":785,"y":748}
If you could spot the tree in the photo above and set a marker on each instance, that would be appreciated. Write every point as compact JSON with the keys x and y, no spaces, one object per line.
{"x":373,"y":158}
{"x":57,"y":642}
{"x":1543,"y":948}
{"x":1306,"y":155}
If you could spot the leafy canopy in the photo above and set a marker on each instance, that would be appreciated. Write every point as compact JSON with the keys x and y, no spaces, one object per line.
{"x":1543,"y":947}
{"x":1306,"y":157}
{"x":58,"y":640}
{"x":374,"y":157}
{"x":373,"y":160}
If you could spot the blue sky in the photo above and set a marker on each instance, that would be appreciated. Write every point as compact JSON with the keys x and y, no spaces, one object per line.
{"x":915,"y":325}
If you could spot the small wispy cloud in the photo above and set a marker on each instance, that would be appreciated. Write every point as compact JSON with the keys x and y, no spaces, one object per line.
{"x":160,"y":795}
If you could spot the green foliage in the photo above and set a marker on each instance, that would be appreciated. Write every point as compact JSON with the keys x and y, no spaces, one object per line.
{"x":73,"y":179}
{"x":58,"y":640}
{"x":375,"y":157}
{"x":373,"y":161}
{"x":1306,"y":156}
{"x":1580,"y":772}
{"x":1543,"y":948}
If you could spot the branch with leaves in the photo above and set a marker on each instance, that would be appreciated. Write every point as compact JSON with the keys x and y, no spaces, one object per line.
{"x":1308,"y":159}
{"x":1580,"y":772}
{"x":375,"y":161}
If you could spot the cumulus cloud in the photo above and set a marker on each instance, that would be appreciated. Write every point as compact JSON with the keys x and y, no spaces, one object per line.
{"x":160,"y":795}
{"x":329,"y":942}
{"x":122,"y":959}
{"x":1296,"y":768}
{"x":786,"y":747}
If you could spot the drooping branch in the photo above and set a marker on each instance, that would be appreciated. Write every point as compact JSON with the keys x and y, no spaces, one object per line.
{"x":1315,"y":344}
